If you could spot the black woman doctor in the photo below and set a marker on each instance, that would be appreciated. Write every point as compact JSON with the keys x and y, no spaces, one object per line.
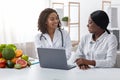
{"x":51,"y":35}
{"x":98,"y":48}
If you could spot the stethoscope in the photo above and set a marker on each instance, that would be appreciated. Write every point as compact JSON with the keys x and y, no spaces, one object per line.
{"x":61,"y":37}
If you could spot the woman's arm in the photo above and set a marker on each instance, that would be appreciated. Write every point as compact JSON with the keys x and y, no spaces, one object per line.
{"x":67,"y":44}
{"x":79,"y":52}
{"x":111,"y":54}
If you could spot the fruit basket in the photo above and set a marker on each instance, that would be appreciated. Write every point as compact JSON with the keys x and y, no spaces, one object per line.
{"x":11,"y":57}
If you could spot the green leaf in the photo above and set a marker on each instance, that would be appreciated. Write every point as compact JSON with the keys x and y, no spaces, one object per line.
{"x":2,"y":46}
{"x":11,"y":46}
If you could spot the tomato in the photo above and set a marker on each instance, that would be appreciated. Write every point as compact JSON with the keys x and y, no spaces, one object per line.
{"x":2,"y":63}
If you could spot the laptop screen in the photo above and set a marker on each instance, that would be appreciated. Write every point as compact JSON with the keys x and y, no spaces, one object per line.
{"x":52,"y":58}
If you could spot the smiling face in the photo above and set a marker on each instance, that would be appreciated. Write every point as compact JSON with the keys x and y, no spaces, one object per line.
{"x":48,"y":20}
{"x":92,"y":27}
{"x":52,"y":21}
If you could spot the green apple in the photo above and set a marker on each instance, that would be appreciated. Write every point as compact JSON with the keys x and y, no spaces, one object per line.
{"x":25,"y":57}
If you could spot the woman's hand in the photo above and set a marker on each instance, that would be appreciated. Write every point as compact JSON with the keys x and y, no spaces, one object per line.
{"x":84,"y":63}
{"x":83,"y":66}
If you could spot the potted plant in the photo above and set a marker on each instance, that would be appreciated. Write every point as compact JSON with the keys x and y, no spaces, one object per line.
{"x":65,"y":21}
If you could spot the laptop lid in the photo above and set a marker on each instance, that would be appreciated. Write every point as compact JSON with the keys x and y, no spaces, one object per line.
{"x":53,"y":58}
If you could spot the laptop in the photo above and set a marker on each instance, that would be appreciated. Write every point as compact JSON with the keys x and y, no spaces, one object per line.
{"x":53,"y":58}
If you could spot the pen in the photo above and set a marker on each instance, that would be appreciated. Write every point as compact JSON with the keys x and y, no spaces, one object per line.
{"x":35,"y":63}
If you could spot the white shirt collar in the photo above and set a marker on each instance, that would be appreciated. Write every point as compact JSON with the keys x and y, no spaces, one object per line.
{"x":101,"y":37}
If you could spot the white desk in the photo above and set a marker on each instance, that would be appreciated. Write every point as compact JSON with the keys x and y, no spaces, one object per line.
{"x":37,"y":73}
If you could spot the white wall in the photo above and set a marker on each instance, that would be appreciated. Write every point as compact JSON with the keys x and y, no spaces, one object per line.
{"x":86,"y":7}
{"x":18,"y":19}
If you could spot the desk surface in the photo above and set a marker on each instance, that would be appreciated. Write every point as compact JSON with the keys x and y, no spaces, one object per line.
{"x":35,"y":72}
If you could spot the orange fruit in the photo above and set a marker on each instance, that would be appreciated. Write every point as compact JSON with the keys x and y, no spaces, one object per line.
{"x":14,"y":59}
{"x":18,"y":53}
{"x":22,"y":62}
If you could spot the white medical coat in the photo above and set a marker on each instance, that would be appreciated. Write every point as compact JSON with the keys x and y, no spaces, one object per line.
{"x":103,"y":50}
{"x":56,"y":43}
